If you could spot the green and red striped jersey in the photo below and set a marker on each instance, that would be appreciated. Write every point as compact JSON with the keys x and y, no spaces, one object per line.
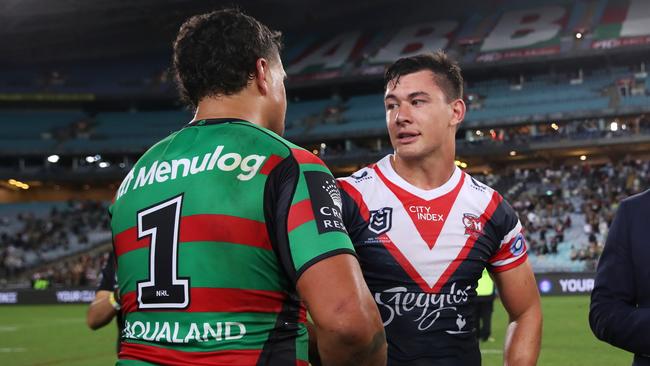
{"x":212,"y":228}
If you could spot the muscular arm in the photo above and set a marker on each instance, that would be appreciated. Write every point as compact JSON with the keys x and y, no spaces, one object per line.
{"x":100,"y":312}
{"x":347,"y":324}
{"x":518,"y":292}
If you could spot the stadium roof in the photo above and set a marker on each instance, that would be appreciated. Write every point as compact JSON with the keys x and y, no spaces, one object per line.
{"x":43,"y":30}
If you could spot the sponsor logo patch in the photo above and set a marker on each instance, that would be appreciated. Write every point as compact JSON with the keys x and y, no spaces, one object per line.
{"x":361,"y":177}
{"x":326,"y":202}
{"x":519,"y":245}
{"x":381,"y":220}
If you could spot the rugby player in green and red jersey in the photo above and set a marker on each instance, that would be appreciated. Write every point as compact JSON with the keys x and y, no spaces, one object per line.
{"x":225,"y":233}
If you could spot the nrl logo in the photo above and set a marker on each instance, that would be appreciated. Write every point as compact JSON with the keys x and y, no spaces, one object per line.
{"x":335,"y":195}
{"x":381,"y":220}
{"x":472,"y":224}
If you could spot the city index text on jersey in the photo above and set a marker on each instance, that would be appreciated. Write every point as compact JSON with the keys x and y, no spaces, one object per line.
{"x":162,"y":171}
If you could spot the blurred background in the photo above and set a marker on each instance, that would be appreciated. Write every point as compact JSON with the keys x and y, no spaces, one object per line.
{"x":558,"y":121}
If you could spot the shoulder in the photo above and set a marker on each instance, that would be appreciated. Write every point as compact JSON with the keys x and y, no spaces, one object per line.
{"x":637,"y":204}
{"x":270,"y":140}
{"x":478,"y":188}
{"x":358,"y":180}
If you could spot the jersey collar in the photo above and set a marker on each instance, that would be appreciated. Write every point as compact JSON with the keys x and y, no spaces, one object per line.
{"x":386,"y":168}
{"x":213,"y":121}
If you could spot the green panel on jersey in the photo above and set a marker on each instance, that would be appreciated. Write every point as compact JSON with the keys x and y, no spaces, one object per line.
{"x":307,"y":244}
{"x":217,"y":191}
{"x":218,"y":335}
{"x":205,"y":263}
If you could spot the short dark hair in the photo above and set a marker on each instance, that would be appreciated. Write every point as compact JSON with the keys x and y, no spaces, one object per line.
{"x":215,"y":53}
{"x":446,"y":72}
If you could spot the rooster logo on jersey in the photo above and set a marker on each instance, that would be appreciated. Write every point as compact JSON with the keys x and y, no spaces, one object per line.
{"x":473,"y":226}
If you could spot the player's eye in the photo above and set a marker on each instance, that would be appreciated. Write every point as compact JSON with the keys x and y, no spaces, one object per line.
{"x":391,"y":106}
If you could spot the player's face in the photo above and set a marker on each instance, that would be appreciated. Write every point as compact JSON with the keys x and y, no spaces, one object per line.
{"x":419,"y":117}
{"x":278,"y":96}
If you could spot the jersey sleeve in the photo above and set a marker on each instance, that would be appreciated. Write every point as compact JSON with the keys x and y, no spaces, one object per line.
{"x":303,"y":212}
{"x":355,"y":211}
{"x":511,"y":244}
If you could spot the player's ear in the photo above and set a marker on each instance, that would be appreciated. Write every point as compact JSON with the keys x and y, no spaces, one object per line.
{"x":458,"y":109}
{"x":262,"y":74}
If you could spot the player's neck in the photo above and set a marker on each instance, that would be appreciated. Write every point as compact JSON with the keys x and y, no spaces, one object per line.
{"x":428,"y":173}
{"x":237,"y":106}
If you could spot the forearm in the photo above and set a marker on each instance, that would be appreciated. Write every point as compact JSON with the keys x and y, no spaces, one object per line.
{"x":100,"y":313}
{"x":523,"y":338}
{"x":314,"y":357}
{"x":335,"y":349}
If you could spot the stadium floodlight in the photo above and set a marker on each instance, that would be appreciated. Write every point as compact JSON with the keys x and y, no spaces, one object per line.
{"x":104,"y":164}
{"x":613,"y":126}
{"x":53,"y":159}
{"x":583,"y":157}
{"x":90,"y":159}
{"x":323,"y":145}
{"x":463,"y":165}
{"x":578,"y":35}
{"x":315,"y":152}
{"x":555,"y":126}
{"x":513,"y":153}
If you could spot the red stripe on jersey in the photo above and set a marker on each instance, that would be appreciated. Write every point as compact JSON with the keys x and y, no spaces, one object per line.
{"x":356,"y":196}
{"x":302,"y":363}
{"x":485,"y":217}
{"x":271,"y":163}
{"x":428,"y":216}
{"x":221,"y":228}
{"x":165,"y":356}
{"x":404,"y":263}
{"x":299,"y":213}
{"x":302,"y":314}
{"x":516,"y":263}
{"x":305,"y":157}
{"x":217,"y":300}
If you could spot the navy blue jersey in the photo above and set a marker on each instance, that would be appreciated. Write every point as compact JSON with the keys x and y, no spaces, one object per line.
{"x":422,"y":253}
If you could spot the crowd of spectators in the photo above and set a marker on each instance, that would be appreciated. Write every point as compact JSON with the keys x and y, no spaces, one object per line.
{"x":80,"y":271}
{"x":569,"y":205}
{"x":550,"y":200}
{"x":579,"y":129}
{"x":28,"y":239}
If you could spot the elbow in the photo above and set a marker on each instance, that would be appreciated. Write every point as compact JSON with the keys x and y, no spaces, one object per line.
{"x":94,"y":320}
{"x":597,"y":323}
{"x":360,"y":336}
{"x":92,"y":323}
{"x":361,"y":331}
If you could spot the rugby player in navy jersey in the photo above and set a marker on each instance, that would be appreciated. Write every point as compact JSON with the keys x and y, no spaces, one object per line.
{"x":424,"y":230}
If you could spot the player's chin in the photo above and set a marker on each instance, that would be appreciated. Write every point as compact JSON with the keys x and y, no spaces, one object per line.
{"x":408,"y":152}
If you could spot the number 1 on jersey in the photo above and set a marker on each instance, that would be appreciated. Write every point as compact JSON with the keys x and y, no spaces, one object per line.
{"x":163,"y":289}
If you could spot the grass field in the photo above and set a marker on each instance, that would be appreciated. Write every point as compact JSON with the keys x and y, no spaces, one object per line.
{"x":57,"y":335}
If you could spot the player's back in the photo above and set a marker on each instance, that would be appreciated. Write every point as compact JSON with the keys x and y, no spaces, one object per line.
{"x":200,"y":278}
